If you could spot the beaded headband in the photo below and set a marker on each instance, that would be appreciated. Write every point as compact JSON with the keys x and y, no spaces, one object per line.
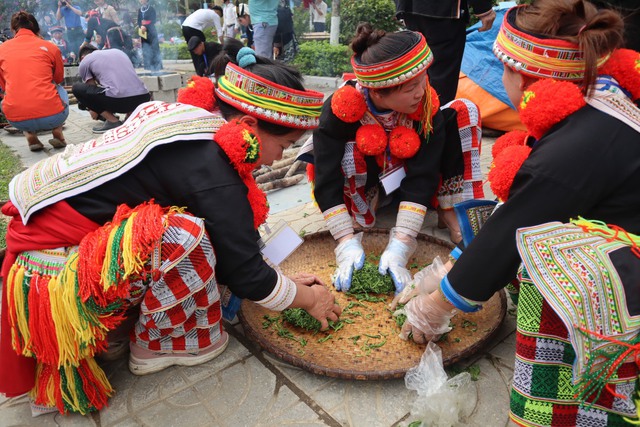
{"x":396,"y":71}
{"x":536,"y":55}
{"x":269,"y":101}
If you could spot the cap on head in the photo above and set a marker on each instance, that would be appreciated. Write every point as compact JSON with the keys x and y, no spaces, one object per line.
{"x":243,"y":10}
{"x":193,"y":43}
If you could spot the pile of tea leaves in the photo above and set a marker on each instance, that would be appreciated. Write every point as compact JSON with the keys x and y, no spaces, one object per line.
{"x":368,"y":280}
{"x":301,"y":318}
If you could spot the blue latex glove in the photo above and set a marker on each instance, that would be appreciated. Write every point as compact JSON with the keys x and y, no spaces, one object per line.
{"x":395,"y":257}
{"x":349,"y":256}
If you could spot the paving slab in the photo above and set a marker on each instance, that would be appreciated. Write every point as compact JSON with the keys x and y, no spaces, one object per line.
{"x":246,"y":386}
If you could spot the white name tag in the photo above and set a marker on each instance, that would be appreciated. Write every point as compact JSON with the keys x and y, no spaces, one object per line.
{"x":392,"y":178}
{"x":279,"y":242}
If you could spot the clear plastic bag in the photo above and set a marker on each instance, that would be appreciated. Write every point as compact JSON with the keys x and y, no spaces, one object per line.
{"x":441,"y":402}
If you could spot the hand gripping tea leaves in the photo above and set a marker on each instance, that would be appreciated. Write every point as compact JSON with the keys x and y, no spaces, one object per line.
{"x":369,"y":280}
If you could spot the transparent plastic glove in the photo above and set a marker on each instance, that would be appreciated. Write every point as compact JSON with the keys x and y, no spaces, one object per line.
{"x":427,"y":318}
{"x":349,"y":256}
{"x":424,"y":282}
{"x":395,"y":257}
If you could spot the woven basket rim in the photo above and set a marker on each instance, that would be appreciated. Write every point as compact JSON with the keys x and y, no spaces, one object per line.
{"x":322,"y":357}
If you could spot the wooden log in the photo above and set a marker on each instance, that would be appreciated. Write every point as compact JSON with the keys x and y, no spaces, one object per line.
{"x":270,"y":176}
{"x":281,"y":183}
{"x":283,"y":163}
{"x":294,"y":168}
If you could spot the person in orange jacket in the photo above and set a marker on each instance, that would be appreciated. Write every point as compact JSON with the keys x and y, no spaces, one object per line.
{"x":31,"y":73}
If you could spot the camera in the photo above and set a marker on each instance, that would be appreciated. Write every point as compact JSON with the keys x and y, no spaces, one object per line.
{"x":63,"y":3}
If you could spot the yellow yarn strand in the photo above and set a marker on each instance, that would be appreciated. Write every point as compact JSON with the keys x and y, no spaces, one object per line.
{"x":635,"y":422}
{"x":100,"y":375}
{"x":104,"y":279}
{"x":76,"y":334}
{"x":131,"y":262}
{"x":70,"y":395}
{"x":49,"y":394}
{"x":602,"y":229}
{"x":62,"y":315}
{"x":14,"y":283}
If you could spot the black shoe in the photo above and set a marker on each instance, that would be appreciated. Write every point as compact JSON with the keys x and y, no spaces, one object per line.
{"x":106,"y":126}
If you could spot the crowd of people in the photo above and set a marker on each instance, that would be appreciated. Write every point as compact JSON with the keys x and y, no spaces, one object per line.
{"x":70,"y":27}
{"x":117,"y":227}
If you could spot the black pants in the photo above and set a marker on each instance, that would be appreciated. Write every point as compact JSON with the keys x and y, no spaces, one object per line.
{"x":75,"y":37}
{"x":151,"y":56}
{"x":189,"y":32}
{"x":93,"y":98}
{"x":446,"y":38}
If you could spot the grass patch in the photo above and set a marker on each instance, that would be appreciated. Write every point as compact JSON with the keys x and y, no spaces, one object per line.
{"x":10,"y":165}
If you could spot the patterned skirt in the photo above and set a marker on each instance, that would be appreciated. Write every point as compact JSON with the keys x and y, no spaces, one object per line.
{"x":572,"y":326}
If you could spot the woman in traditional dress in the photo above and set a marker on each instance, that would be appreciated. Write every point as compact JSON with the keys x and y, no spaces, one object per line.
{"x":380,"y":127}
{"x":150,"y":218}
{"x":151,"y":56}
{"x":579,"y":311}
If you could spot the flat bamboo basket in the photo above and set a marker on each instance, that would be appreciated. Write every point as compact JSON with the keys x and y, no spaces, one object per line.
{"x":369,"y":348}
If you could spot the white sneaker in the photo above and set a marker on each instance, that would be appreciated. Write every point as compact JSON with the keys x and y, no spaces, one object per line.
{"x":143,"y":361}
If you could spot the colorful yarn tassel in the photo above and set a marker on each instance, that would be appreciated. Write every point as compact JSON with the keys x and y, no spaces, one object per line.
{"x":610,"y":232}
{"x":61,"y":314}
{"x":603,"y":365}
{"x":17,"y":292}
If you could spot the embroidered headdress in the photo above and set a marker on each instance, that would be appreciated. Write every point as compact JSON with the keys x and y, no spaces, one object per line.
{"x":537,"y":55}
{"x":268,"y":101}
{"x":397,"y":70}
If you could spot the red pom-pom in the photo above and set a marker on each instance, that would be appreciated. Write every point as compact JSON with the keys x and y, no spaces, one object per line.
{"x":198,"y":92}
{"x":348,"y":104}
{"x":504,"y":169}
{"x":404,"y":142}
{"x":241,"y":144}
{"x":311,"y":172}
{"x":624,"y":66}
{"x":258,"y":201}
{"x":509,"y":139}
{"x":371,"y":140}
{"x":539,"y":113}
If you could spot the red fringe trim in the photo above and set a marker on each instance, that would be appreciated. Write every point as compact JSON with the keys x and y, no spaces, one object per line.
{"x":504,"y":169}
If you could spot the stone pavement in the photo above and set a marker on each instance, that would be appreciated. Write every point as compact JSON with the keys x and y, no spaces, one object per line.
{"x":246,"y":386}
